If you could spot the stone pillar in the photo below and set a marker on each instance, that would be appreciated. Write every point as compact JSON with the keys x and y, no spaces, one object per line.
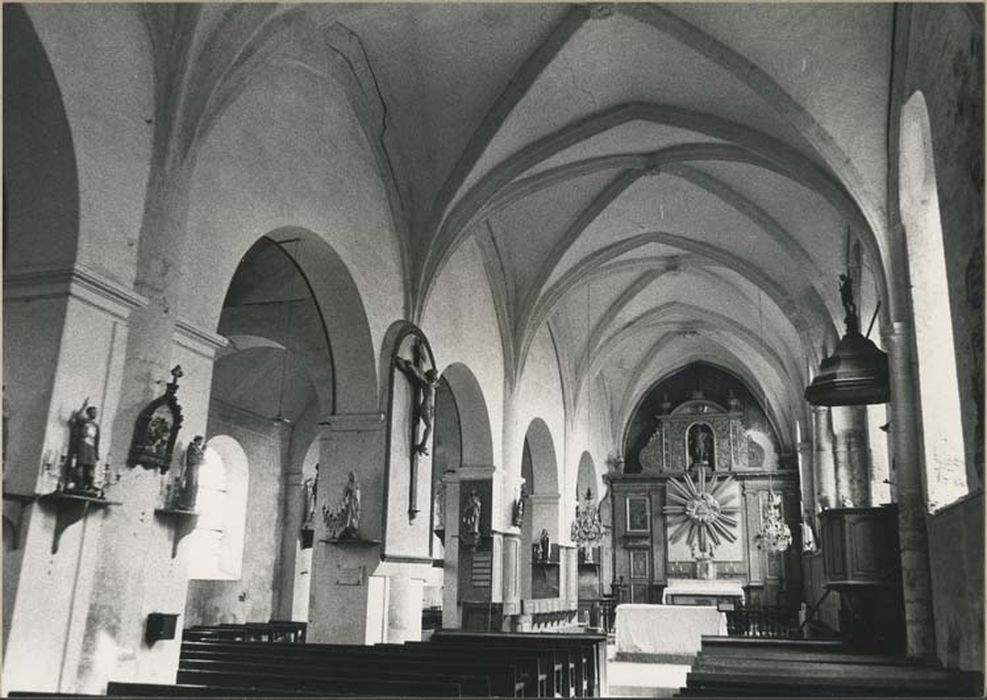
{"x":293,"y":505}
{"x":404,"y":610}
{"x":824,"y":463}
{"x":66,"y":334}
{"x":853,"y":462}
{"x":512,"y":573}
{"x":807,"y":477}
{"x":348,"y":604}
{"x":880,"y":469}
{"x":913,"y":537}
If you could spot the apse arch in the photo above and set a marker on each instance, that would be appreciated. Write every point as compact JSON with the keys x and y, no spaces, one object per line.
{"x":634,"y":436}
{"x":941,"y":418}
{"x":41,"y":183}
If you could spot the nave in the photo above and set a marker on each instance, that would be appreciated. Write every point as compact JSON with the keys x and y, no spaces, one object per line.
{"x":496,"y":345}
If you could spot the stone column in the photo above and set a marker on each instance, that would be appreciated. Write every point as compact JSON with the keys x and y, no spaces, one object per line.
{"x":807,"y":477}
{"x":293,"y":505}
{"x":913,"y":537}
{"x":824,"y":463}
{"x":853,"y":462}
{"x":512,"y":577}
{"x":404,"y":610}
{"x":348,"y":604}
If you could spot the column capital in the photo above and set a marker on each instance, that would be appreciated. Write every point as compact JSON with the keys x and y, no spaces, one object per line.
{"x":478,"y":472}
{"x":78,"y":282}
{"x":351,"y":423}
{"x":197,"y":339}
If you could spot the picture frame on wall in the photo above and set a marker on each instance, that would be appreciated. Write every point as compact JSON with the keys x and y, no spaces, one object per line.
{"x":638,"y":514}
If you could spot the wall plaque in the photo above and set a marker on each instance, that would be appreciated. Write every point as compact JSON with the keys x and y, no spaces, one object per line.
{"x":349,"y":576}
{"x":481,"y":573}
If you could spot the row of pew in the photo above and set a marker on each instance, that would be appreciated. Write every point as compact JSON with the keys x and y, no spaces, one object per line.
{"x":753,"y":667}
{"x":231,"y":660}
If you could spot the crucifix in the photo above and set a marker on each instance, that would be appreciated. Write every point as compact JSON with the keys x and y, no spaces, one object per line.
{"x":424,"y":382}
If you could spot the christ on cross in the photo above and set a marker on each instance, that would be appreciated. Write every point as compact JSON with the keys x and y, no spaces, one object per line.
{"x":425,"y":382}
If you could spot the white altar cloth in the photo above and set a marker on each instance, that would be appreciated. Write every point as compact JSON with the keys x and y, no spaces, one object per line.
{"x":666,"y":629}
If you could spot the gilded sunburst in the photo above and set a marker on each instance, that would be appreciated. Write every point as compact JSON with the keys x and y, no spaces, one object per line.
{"x":701,"y":509}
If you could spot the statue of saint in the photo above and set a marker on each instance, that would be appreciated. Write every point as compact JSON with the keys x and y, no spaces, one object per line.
{"x":471,"y":515}
{"x":83,"y":453}
{"x":310,"y":491}
{"x":425,"y":382}
{"x":351,"y":506}
{"x":195,"y":454}
{"x":849,"y":305}
{"x":544,"y":546}
{"x":700,"y":444}
{"x":517,"y":516}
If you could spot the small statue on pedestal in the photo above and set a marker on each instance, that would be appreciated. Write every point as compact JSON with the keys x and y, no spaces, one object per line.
{"x":344,"y":521}
{"x":311,"y":494}
{"x":517,"y":514}
{"x":544,"y":545}
{"x":188,"y":480}
{"x":83,"y":455}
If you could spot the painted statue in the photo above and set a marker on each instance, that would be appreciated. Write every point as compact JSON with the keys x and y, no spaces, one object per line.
{"x":471,"y":515}
{"x":83,"y":453}
{"x":195,"y":455}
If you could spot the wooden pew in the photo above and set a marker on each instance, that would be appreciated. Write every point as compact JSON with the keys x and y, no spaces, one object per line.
{"x":587,"y":653}
{"x":319,"y":684}
{"x":349,"y":668}
{"x":155,"y":690}
{"x":500,"y":677}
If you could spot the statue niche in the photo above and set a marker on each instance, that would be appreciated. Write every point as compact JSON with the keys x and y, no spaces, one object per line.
{"x":701,"y":445}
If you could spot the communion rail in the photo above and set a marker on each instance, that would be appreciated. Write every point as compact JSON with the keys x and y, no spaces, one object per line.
{"x":768,"y":621}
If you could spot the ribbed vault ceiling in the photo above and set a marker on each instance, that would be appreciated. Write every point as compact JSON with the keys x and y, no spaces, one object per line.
{"x":658,"y":184}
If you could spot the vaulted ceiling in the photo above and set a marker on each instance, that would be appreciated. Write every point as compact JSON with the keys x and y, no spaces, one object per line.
{"x":657,"y":183}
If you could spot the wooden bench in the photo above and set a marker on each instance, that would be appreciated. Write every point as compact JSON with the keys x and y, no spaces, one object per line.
{"x":582,"y":656}
{"x":497,"y":676}
{"x":319,"y":684}
{"x":156,"y":690}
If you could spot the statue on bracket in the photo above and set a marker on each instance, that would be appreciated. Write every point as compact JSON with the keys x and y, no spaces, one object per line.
{"x":470,"y":533}
{"x":83,"y":455}
{"x":425,"y":381}
{"x":543,"y":548}
{"x":517,"y":513}
{"x":157,"y":428}
{"x":311,"y":495}
{"x":343,"y":521}
{"x":187,"y":482}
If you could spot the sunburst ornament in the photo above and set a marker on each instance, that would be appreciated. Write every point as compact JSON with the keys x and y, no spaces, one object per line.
{"x":702,"y":510}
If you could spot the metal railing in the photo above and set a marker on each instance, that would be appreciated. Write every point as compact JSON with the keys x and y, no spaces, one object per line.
{"x":770,"y":621}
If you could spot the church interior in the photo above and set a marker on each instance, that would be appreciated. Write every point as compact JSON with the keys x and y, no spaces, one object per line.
{"x":490,"y":349}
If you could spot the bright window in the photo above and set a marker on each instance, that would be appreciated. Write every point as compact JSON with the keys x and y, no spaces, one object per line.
{"x":216,"y":545}
{"x":945,"y":463}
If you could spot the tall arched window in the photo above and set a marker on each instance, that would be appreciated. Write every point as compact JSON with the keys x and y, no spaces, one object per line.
{"x":216,"y":545}
{"x":942,"y":435}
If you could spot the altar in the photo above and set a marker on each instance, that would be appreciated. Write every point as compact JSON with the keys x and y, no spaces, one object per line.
{"x":723,"y":595}
{"x":665,"y":633}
